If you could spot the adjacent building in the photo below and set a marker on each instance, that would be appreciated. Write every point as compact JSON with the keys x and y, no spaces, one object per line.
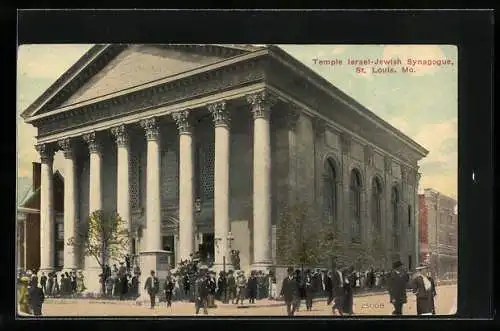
{"x":200,"y":144}
{"x":438,"y":233}
{"x":28,"y":230}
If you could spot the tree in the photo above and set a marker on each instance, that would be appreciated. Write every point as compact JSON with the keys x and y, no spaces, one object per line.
{"x":332,"y":246}
{"x":106,"y":238}
{"x":298,"y":235}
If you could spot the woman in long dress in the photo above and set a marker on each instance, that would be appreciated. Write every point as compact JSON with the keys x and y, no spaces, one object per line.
{"x":422,"y":288}
{"x":24,"y":302}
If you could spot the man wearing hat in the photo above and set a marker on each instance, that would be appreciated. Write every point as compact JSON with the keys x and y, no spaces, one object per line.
{"x":201,"y":290}
{"x":36,"y":297}
{"x":152,"y":286}
{"x":397,"y":287}
{"x":241,"y":286}
{"x":231,"y":286}
{"x":290,"y":292}
{"x":308,"y":285}
{"x":424,"y":290}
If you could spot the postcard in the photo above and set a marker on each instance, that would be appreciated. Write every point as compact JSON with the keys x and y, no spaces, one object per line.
{"x":228,"y":179}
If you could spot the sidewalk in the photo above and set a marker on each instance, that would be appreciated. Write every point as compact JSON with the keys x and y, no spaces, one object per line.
{"x":259,"y":303}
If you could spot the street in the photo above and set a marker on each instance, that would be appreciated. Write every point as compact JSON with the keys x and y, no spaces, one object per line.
{"x":376,"y":304}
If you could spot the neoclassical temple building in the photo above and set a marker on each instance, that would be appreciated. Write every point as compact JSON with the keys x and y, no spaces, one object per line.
{"x":196,"y":144}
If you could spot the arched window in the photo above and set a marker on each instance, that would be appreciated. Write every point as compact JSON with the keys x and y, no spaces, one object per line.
{"x":355,"y":199}
{"x":377,"y":204}
{"x":395,"y":217}
{"x":330,"y":191}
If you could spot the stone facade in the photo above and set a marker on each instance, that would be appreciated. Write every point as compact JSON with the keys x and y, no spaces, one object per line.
{"x":241,"y":136}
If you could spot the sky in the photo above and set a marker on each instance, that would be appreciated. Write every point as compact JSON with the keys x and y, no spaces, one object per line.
{"x":423,"y":104}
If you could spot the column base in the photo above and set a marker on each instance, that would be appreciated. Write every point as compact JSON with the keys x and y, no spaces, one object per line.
{"x":218,"y":267}
{"x":157,"y":261}
{"x":93,"y":288}
{"x":261,"y":266}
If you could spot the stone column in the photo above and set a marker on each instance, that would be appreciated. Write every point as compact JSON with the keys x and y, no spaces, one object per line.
{"x":152,"y":256}
{"x":92,"y":268}
{"x":95,"y":180}
{"x":47,"y":226}
{"x":70,"y":206}
{"x":122,"y":183}
{"x":153,"y":202}
{"x":261,"y":104}
{"x":221,"y":182}
{"x":186,"y":184}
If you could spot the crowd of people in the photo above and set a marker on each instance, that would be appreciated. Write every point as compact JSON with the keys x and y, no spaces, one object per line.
{"x":120,"y":282}
{"x":197,"y":283}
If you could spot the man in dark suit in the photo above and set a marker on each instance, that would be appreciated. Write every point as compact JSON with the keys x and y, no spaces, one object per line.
{"x":201,"y":291}
{"x":36,"y":297}
{"x":290,"y":292}
{"x":398,"y":281}
{"x":338,"y":291}
{"x":152,"y":286}
{"x":328,"y":287}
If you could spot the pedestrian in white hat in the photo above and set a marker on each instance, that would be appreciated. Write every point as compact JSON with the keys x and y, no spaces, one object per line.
{"x":422,"y":288}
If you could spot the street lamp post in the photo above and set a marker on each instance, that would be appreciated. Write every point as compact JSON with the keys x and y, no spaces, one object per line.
{"x":197,"y":210}
{"x":229,"y":241}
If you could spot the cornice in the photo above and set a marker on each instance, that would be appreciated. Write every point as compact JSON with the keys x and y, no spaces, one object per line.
{"x":74,"y":72}
{"x":318,"y":86}
{"x":190,"y":87}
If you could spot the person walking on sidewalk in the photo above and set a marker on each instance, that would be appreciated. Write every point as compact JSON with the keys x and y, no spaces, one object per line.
{"x":338,"y":291}
{"x":422,"y":287}
{"x":152,"y":286}
{"x":398,"y":281}
{"x":308,"y":286}
{"x":201,"y":291}
{"x":168,"y":287}
{"x":290,"y":292}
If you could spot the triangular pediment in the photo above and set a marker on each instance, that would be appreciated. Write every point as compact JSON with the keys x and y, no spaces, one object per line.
{"x":110,"y":69}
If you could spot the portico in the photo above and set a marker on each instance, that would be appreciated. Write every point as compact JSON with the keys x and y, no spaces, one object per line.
{"x":215,"y":125}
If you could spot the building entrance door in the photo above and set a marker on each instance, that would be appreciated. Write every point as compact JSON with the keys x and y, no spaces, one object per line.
{"x":169,"y":246}
{"x":207,"y":245}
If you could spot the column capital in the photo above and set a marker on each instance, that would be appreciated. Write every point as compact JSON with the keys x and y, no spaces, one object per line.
{"x":345,"y":141}
{"x":46,"y":152}
{"x":219,"y":113}
{"x":67,"y":146}
{"x":151,"y":128}
{"x":121,"y":135}
{"x":93,"y":142}
{"x":182,"y":121}
{"x":261,"y":103}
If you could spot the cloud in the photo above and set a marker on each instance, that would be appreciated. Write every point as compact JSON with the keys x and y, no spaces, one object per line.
{"x":416,"y":52}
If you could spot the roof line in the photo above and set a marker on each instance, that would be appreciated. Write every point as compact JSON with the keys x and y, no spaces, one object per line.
{"x":345,"y":98}
{"x":184,"y":74}
{"x":67,"y":76}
